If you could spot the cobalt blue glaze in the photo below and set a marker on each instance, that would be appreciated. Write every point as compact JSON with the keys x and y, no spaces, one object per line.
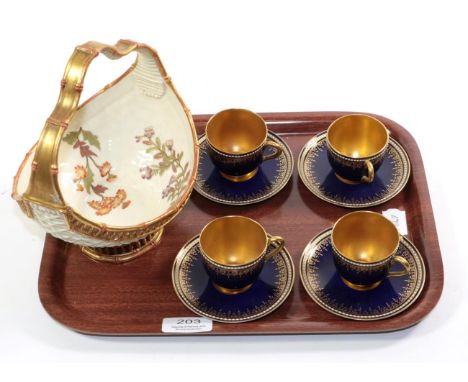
{"x":362,"y":276}
{"x":236,"y":165}
{"x":271,"y":177}
{"x":238,"y":190}
{"x":338,"y":294}
{"x":322,"y":178}
{"x":325,"y":286}
{"x":263,"y":289}
{"x":236,"y":278}
{"x":354,"y":170}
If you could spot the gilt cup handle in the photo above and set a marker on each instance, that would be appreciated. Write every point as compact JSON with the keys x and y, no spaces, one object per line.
{"x":278,"y":240}
{"x":404,"y":263}
{"x":370,"y":173}
{"x":276,"y":146}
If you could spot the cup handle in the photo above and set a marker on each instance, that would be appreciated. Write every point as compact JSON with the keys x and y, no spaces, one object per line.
{"x":405,"y":265}
{"x":370,"y":173}
{"x":274,"y":239}
{"x":276,"y":146}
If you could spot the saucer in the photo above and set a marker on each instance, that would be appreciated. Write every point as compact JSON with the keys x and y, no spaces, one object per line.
{"x":324,"y":285}
{"x":194,"y":288}
{"x":271,"y":178}
{"x":318,"y":176}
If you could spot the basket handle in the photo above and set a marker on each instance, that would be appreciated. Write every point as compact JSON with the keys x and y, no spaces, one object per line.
{"x":43,"y":186}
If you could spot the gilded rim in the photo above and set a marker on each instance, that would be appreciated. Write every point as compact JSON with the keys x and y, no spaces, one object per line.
{"x":312,"y":144}
{"x":373,"y":155}
{"x":310,"y":251}
{"x":284,"y":180}
{"x":178,"y":290}
{"x":240,"y":155}
{"x":123,"y":255}
{"x":137,"y":231}
{"x":236,"y":154}
{"x":362,"y":263}
{"x":236,"y":267}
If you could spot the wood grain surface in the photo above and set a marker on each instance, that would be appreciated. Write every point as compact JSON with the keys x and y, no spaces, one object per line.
{"x":133,"y":298}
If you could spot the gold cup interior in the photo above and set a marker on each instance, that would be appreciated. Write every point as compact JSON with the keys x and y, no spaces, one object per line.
{"x":233,"y":240}
{"x":357,"y":136}
{"x":365,"y":237}
{"x":236,"y":131}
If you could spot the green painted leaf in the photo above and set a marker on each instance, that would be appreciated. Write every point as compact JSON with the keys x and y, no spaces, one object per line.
{"x":158,"y":142}
{"x":92,"y":139}
{"x":88,"y":181}
{"x":71,"y":137}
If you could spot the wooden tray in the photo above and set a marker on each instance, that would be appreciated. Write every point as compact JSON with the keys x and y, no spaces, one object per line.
{"x":132,"y":299}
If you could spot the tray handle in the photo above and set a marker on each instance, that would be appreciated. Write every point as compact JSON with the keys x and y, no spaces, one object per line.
{"x":43,"y":185}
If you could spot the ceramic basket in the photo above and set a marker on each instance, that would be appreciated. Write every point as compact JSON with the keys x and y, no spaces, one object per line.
{"x":110,"y":173}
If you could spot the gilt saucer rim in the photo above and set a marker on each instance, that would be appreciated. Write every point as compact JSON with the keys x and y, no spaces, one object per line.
{"x":281,"y":185}
{"x":313,"y":142}
{"x":309,"y":252}
{"x":175,"y":275}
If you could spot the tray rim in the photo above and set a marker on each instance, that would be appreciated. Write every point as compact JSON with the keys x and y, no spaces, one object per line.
{"x":433,"y":285}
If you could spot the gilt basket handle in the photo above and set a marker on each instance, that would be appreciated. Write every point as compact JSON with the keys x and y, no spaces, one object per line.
{"x":43,"y":185}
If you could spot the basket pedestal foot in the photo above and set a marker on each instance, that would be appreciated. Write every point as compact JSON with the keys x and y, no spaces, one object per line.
{"x":123,"y":253}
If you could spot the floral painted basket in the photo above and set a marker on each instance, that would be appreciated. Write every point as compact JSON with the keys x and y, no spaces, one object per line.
{"x":110,"y":173}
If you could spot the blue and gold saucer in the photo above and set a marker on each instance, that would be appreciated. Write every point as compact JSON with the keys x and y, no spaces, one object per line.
{"x":318,"y":176}
{"x":194,"y":288}
{"x":324,"y":285}
{"x":272,"y":176}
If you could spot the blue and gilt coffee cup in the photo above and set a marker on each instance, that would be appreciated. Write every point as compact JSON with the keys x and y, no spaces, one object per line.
{"x":364,"y":247}
{"x":356,"y":147}
{"x":234,"y":250}
{"x":237,"y":139}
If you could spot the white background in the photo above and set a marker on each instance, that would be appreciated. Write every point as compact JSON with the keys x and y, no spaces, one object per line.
{"x":401,"y":59}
